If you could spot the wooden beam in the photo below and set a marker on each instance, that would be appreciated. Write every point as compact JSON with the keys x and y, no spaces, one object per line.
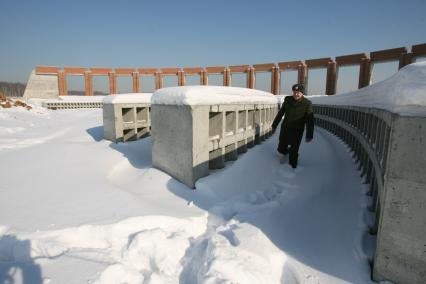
{"x":147,"y":71}
{"x":74,"y":70}
{"x":419,"y":49}
{"x":215,"y":69}
{"x":263,"y":67}
{"x":62,"y":83}
{"x":88,"y":83}
{"x":100,"y":71}
{"x":353,"y":59}
{"x":318,"y":63}
{"x":239,"y":68}
{"x":289,"y":65}
{"x":136,"y":82}
{"x":124,"y":71}
{"x":192,"y":70}
{"x":388,"y":54}
{"x":46,"y":70}
{"x":170,"y":71}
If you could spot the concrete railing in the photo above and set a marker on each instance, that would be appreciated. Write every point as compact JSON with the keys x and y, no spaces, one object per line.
{"x":390,"y":150}
{"x":127,"y":117}
{"x":188,"y":140}
{"x":50,"y":82}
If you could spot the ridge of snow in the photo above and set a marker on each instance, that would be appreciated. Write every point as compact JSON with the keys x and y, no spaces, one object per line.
{"x":210,"y":95}
{"x":403,"y":93}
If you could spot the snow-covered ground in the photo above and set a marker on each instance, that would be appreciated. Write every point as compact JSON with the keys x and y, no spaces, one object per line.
{"x":75,"y":208}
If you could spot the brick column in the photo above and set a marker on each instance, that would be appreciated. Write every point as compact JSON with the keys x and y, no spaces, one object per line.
{"x":136,"y":82}
{"x":88,"y":83}
{"x":405,"y":59}
{"x":275,"y":80}
{"x":204,"y":78}
{"x":158,"y":80}
{"x":330,"y":88}
{"x":226,"y":77}
{"x":181,"y":78}
{"x":251,"y":78}
{"x":364,"y":73}
{"x":62,"y":83}
{"x":112,"y":83}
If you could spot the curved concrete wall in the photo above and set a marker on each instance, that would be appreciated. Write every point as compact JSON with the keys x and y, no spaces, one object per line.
{"x":390,"y":151}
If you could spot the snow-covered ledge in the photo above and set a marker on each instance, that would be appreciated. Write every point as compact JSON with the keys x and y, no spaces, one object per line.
{"x":385,"y":126}
{"x":197,"y":128}
{"x":126,"y":116}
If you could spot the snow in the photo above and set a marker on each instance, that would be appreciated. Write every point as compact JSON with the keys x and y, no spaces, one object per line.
{"x":210,"y":95}
{"x":403,"y":93}
{"x":75,"y":208}
{"x":128,"y":98}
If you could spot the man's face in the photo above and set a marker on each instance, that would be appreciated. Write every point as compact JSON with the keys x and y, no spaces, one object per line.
{"x":297,"y":95}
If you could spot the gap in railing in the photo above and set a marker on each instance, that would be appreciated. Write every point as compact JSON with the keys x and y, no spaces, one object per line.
{"x":287,"y":80}
{"x":239,"y":80}
{"x":75,"y":85}
{"x":192,"y":80}
{"x":347,"y":79}
{"x":216,"y":79}
{"x":124,"y":84}
{"x":382,"y":71}
{"x":316,"y":81}
{"x":100,"y":85}
{"x":263,"y":81}
{"x":147,"y":84}
{"x":170,"y":81}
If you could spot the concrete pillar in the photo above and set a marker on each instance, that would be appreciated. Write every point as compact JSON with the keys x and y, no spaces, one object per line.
{"x":88,"y":83}
{"x":181,"y":78}
{"x":62,"y":83}
{"x":275,"y":80}
{"x":158,"y":80}
{"x":136,"y":82}
{"x":405,"y":59}
{"x":112,"y":83}
{"x":330,"y":88}
{"x":204,"y":78}
{"x":364,"y":73}
{"x":251,"y":78}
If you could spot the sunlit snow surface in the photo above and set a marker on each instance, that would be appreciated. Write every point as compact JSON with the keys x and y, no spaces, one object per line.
{"x":75,"y":208}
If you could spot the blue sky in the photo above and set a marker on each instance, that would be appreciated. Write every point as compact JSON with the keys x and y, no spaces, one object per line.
{"x":199,"y":33}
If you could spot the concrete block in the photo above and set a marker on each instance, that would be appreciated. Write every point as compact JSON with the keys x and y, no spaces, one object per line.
{"x":180,"y":141}
{"x":126,"y":121}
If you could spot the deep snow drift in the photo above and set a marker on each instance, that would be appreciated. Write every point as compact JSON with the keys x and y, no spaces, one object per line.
{"x":403,"y":93}
{"x":75,"y":208}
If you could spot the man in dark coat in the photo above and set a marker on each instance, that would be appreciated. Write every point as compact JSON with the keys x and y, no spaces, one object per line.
{"x":298,"y":112}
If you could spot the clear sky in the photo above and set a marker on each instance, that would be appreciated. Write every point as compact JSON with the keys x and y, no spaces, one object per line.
{"x":198,"y":33}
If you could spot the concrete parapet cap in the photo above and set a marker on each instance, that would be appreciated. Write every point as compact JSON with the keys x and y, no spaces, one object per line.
{"x":211,"y":95}
{"x":144,"y":98}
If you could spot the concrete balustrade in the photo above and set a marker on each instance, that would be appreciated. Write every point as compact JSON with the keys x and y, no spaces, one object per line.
{"x":127,"y":117}
{"x":390,"y":151}
{"x":191,"y":136}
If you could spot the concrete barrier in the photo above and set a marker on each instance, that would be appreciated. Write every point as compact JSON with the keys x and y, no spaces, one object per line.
{"x":195,"y":129}
{"x":126,"y":117}
{"x":41,"y":86}
{"x":390,"y":150}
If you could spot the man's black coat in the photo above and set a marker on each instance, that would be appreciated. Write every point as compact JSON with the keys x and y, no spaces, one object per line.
{"x":297,"y":114}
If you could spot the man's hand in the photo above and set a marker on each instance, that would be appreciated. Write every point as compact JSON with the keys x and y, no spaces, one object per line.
{"x":308,"y":140}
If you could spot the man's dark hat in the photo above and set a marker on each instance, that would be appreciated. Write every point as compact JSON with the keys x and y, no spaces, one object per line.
{"x":298,"y":87}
